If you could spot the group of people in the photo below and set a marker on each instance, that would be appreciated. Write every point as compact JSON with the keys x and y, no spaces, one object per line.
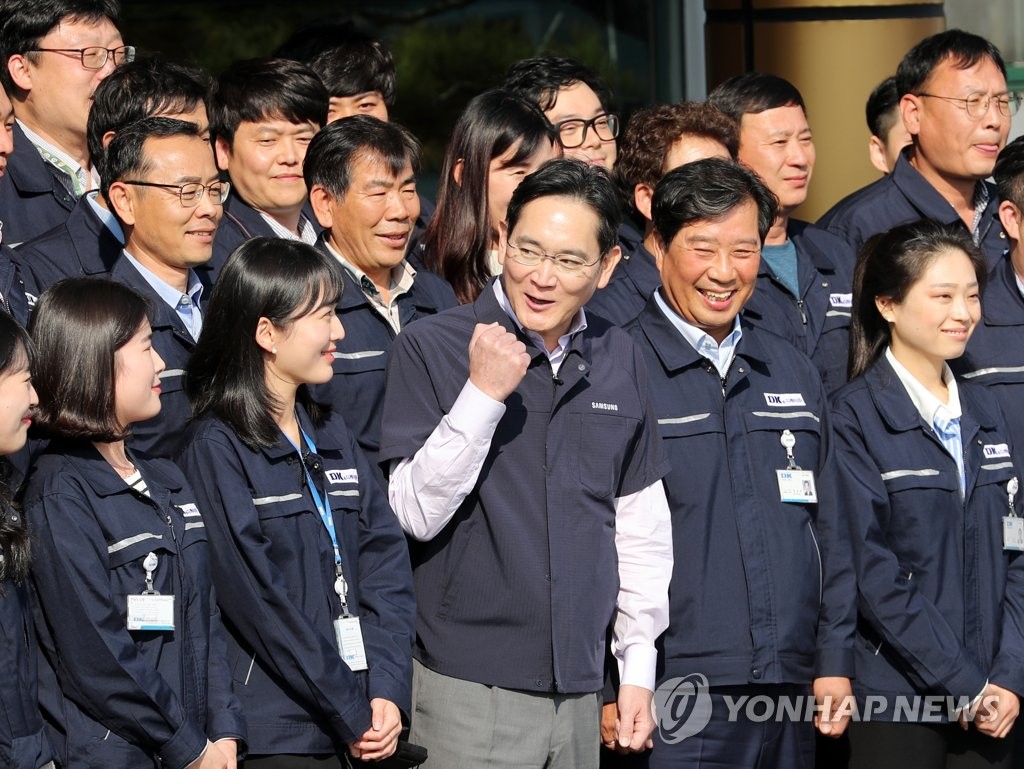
{"x":302,"y":469}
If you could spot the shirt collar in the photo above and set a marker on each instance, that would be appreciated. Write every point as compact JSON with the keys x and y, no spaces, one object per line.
{"x":61,"y":155}
{"x":579,"y":324}
{"x":927,"y":405}
{"x":164,"y":290}
{"x":721,"y":355}
{"x":105,"y":216}
{"x":1020,"y":283}
{"x":402,"y":274}
{"x":307,"y":232}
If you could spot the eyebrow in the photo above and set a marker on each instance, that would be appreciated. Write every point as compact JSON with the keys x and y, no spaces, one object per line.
{"x":571,"y":251}
{"x":953,"y":285}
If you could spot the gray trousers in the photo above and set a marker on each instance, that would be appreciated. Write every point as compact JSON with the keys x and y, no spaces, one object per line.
{"x":466,"y":725}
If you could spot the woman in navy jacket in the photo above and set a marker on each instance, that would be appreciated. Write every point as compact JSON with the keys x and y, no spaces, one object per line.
{"x":308,"y":556}
{"x":23,"y":743}
{"x":929,"y":483}
{"x":134,"y":670}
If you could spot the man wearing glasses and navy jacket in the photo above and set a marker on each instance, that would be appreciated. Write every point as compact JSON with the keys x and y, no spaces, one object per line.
{"x":53,"y":56}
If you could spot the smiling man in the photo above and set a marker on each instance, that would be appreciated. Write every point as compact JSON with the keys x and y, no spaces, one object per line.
{"x":263,"y":115}
{"x":763,"y":594}
{"x":525,"y":461}
{"x":361,"y":174}
{"x":804,"y":285}
{"x":955,"y":104}
{"x":163,"y":186}
{"x":52,"y":57}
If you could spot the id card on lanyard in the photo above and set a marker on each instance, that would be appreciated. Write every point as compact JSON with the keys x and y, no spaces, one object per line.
{"x":149,"y":610}
{"x":347,"y":631}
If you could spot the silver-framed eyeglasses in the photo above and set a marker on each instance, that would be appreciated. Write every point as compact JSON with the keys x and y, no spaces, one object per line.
{"x":977,"y":103}
{"x":191,"y":193}
{"x":531,"y":256}
{"x":572,"y":133}
{"x":95,"y":56}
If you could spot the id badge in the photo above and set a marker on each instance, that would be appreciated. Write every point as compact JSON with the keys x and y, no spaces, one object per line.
{"x":797,"y":486}
{"x":1013,"y":532}
{"x":151,"y":612}
{"x":350,"y":642}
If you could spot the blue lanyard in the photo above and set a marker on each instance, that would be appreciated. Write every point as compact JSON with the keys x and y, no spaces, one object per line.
{"x":323,"y":507}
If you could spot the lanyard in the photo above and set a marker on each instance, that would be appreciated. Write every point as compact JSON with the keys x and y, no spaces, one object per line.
{"x":323,"y":507}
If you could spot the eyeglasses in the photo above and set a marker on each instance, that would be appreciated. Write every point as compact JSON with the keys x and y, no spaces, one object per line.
{"x":95,"y":56}
{"x":190,"y":194}
{"x":977,"y":104}
{"x":570,"y":264}
{"x":572,"y":133}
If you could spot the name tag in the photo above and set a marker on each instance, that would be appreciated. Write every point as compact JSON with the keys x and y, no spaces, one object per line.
{"x":797,"y":486}
{"x":841,"y":300}
{"x":784,"y":399}
{"x":350,"y":642}
{"x":151,"y":612}
{"x":1013,"y":532}
{"x":189,"y":510}
{"x":996,"y":450}
{"x":351,"y":475}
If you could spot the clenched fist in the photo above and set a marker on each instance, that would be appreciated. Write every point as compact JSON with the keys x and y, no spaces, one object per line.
{"x":497,"y":360}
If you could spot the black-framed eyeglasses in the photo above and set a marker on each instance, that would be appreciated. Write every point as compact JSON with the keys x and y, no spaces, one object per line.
{"x":977,"y":104}
{"x":571,"y":264}
{"x":95,"y":56}
{"x":190,"y":194}
{"x":572,"y":133}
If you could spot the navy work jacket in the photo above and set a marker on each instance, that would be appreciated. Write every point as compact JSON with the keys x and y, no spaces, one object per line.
{"x":13,"y":288}
{"x":117,"y":697}
{"x":518,"y":589}
{"x":242,"y":222}
{"x":905,"y":196}
{"x":360,"y":361}
{"x":818,"y":323}
{"x":163,"y":434}
{"x":273,"y":563}
{"x":635,"y":278}
{"x":940,"y":603}
{"x":82,"y":245}
{"x":995,"y":352}
{"x":762,"y":590}
{"x":35,"y":196}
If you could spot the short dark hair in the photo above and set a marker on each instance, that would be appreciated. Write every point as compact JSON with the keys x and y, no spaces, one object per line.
{"x":708,"y":189}
{"x":78,"y":325}
{"x":883,"y":108}
{"x":336,"y":146}
{"x":539,"y":79}
{"x":23,"y":23}
{"x":263,"y":278}
{"x":579,"y":181}
{"x":125,"y":156}
{"x":755,"y":92}
{"x":17,"y":353}
{"x":651,"y":132}
{"x":1009,"y":172}
{"x":459,"y":235}
{"x":348,"y":60}
{"x":961,"y":49}
{"x":254,"y":90}
{"x":889,"y":264}
{"x":139,"y":89}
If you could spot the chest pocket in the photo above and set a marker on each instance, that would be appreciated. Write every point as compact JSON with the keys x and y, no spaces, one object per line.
{"x":126,"y":555}
{"x":766,"y":427}
{"x":601,"y":450}
{"x":686,"y":425}
{"x":360,"y":361}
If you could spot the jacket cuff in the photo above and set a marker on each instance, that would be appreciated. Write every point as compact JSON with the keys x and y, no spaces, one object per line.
{"x":185,"y":746}
{"x":834,"y":661}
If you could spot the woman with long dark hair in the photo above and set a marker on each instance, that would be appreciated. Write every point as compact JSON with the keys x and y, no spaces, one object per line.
{"x":135,"y":669}
{"x":931,"y":483}
{"x":308,"y":555}
{"x":497,"y":141}
{"x":23,"y":743}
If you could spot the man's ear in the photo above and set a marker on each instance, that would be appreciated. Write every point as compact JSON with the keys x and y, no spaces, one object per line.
{"x":320,"y":201}
{"x":20,"y":71}
{"x":643,"y":198}
{"x":876,"y":152}
{"x":1010,"y":216}
{"x":910,"y":112}
{"x":222,"y":153}
{"x":121,"y":203}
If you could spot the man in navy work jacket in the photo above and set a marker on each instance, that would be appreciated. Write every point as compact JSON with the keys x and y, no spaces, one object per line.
{"x":91,"y":239}
{"x":263,"y":115}
{"x":957,"y":108}
{"x":162,"y":184}
{"x":361,"y":173}
{"x":52,"y":57}
{"x":804,"y":286}
{"x":762,"y":596}
{"x":995,"y":352}
{"x":12,"y":287}
{"x":525,"y":465}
